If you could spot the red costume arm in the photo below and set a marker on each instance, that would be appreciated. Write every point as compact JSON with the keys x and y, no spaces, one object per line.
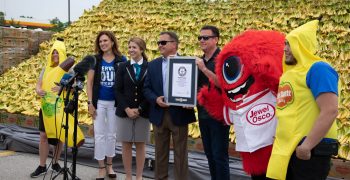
{"x":211,"y":100}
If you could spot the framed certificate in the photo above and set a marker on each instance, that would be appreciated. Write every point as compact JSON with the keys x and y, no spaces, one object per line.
{"x":181,"y":81}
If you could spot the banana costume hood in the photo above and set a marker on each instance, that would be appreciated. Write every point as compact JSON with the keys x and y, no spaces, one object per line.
{"x":303,"y":43}
{"x":296,"y":107}
{"x":61,"y":49}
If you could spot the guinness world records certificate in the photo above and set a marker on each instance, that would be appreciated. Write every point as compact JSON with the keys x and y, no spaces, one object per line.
{"x":181,"y":81}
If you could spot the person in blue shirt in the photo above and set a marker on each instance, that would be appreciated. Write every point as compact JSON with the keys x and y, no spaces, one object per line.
{"x":101,"y":80}
{"x":306,"y":108}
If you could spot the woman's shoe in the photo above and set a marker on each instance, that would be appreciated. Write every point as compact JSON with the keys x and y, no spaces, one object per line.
{"x":101,"y":178}
{"x":111,"y":175}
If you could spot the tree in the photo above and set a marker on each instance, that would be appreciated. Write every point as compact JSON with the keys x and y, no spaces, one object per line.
{"x":2,"y":18}
{"x":58,"y":25}
{"x":14,"y":23}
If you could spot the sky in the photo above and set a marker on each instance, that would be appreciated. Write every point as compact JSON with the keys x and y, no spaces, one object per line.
{"x":44,"y":10}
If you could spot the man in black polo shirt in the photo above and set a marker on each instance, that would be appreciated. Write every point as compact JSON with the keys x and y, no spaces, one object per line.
{"x":214,"y":134}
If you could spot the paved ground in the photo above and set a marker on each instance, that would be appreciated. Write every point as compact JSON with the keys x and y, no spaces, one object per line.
{"x":18,"y":166}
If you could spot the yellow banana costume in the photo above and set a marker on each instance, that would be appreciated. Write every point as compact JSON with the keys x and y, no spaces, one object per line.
{"x":51,"y":75}
{"x":297,"y":109}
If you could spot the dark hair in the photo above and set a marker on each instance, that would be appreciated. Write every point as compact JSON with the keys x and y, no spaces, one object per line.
{"x":111,"y":36}
{"x":213,"y":29}
{"x":142,"y":45}
{"x":173,"y":36}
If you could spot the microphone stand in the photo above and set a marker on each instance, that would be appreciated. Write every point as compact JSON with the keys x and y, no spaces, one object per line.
{"x":75,"y":148}
{"x":70,"y":107}
{"x":65,"y":169}
{"x":77,"y":87}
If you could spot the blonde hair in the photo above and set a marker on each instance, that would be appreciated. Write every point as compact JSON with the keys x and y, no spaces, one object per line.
{"x":142,"y":44}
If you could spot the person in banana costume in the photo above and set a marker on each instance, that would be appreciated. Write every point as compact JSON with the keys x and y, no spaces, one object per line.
{"x":51,"y":112}
{"x":53,"y":106}
{"x":307,"y":105}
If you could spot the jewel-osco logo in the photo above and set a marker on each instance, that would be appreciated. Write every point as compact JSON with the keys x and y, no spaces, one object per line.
{"x":260,"y":114}
{"x":285,"y":95}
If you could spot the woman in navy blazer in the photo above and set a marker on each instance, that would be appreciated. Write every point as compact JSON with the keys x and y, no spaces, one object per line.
{"x":132,"y":111}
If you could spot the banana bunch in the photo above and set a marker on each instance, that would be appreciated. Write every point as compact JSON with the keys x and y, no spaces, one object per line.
{"x":147,"y":18}
{"x":232,"y":135}
{"x":344,"y":152}
{"x":193,"y":130}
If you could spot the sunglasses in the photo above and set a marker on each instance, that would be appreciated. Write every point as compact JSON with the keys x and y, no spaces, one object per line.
{"x":163,"y":42}
{"x":205,"y":38}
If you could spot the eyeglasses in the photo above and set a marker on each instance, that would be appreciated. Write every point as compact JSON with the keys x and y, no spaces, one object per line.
{"x":205,"y":38}
{"x":163,"y":42}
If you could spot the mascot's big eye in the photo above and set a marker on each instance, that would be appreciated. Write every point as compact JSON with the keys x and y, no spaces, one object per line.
{"x":232,"y":69}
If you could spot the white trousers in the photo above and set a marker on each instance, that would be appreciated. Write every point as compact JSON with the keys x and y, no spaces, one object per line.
{"x":105,"y":129}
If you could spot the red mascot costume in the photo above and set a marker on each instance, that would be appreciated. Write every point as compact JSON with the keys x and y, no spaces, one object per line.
{"x":248,"y":70}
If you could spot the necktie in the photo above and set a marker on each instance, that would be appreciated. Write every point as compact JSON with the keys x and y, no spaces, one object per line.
{"x":138,"y":70}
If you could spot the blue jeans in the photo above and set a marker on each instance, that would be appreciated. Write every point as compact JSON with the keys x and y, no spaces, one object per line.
{"x":215,"y":137}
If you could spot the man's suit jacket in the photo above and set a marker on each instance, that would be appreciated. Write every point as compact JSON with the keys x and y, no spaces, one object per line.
{"x":129,"y":90}
{"x":153,"y":88}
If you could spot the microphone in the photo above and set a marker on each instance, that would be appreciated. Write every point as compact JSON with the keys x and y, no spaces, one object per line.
{"x":85,"y":65}
{"x":66,"y":79}
{"x":67,"y":64}
{"x":80,"y":69}
{"x":79,"y":82}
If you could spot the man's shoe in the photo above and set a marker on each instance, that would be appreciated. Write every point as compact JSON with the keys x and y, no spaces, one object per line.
{"x":56,"y":168}
{"x":38,"y":172}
